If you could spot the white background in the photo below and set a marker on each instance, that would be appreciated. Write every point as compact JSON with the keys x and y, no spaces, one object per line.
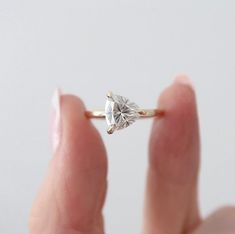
{"x":133,"y":48}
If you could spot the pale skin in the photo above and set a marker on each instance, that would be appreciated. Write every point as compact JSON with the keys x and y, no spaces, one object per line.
{"x":72,"y":195}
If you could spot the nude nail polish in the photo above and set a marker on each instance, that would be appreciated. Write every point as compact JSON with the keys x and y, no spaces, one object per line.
{"x":184,"y":80}
{"x":56,"y":120}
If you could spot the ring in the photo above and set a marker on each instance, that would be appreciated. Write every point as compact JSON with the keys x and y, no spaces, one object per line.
{"x":120,"y":112}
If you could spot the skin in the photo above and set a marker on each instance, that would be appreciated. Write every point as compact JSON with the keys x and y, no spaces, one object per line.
{"x":72,"y":195}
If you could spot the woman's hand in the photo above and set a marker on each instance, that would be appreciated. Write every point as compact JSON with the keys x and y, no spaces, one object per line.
{"x":72,"y":195}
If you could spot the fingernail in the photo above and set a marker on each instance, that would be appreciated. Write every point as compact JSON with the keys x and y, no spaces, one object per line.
{"x":184,"y":80}
{"x":56,"y":120}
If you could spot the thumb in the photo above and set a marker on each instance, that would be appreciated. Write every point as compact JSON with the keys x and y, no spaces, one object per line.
{"x":171,"y":191}
{"x":72,"y":194}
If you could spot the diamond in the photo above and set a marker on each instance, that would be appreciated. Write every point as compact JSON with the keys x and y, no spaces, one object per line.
{"x":119,"y":112}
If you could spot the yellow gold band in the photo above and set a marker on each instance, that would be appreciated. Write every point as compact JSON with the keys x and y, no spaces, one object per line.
{"x":143,"y":113}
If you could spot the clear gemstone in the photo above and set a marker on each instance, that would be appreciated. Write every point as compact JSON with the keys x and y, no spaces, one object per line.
{"x":120,"y":112}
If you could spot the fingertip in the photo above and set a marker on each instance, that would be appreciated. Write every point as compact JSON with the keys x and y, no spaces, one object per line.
{"x":173,"y":162}
{"x":81,"y":165}
{"x":79,"y":136}
{"x":180,"y":95}
{"x":72,"y":195}
{"x":175,"y":136}
{"x":184,"y":80}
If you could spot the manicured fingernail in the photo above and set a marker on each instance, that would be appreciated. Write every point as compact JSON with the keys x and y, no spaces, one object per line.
{"x":56,"y":120}
{"x":184,"y":80}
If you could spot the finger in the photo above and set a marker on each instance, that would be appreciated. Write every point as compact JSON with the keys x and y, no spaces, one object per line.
{"x":221,"y":221}
{"x":72,"y":194}
{"x":171,"y":196}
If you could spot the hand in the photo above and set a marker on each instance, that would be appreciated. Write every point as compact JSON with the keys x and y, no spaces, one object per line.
{"x":72,"y":195}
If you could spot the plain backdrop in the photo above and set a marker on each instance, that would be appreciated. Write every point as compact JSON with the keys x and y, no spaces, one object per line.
{"x":134,"y":48}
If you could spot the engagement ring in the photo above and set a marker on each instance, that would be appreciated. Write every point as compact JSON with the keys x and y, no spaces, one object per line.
{"x":120,"y":112}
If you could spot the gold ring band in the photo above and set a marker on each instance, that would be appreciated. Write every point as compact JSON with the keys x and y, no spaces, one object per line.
{"x":143,"y":113}
{"x":120,"y":112}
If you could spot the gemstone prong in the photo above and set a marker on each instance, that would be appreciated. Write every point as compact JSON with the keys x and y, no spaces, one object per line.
{"x":109,"y":95}
{"x":111,"y":129}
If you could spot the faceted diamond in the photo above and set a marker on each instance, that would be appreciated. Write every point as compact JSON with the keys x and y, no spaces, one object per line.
{"x":120,"y":112}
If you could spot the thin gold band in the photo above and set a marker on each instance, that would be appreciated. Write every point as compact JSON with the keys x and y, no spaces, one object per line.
{"x":143,"y":113}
